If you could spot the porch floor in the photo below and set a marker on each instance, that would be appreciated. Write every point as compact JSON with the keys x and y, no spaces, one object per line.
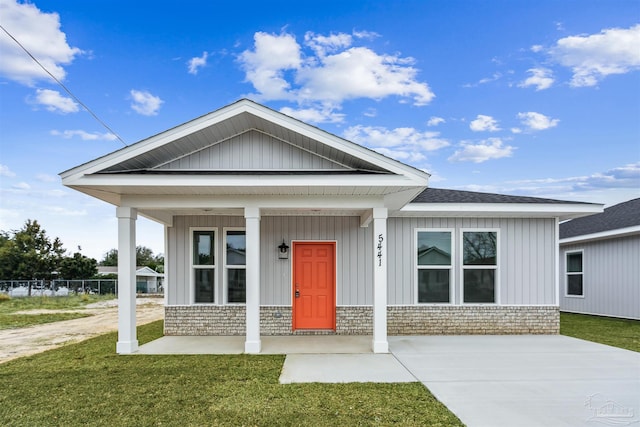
{"x":298,"y":344}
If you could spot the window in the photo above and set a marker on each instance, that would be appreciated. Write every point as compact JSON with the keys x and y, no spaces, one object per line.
{"x":434,"y":266}
{"x":235,"y":266}
{"x":574,"y":274}
{"x":203,"y":264}
{"x":479,"y":266}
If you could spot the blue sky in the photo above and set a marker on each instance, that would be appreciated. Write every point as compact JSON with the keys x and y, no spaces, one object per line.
{"x":537,"y":98}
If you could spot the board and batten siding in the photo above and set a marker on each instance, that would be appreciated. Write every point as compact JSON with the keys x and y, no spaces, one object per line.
{"x":526,"y":257}
{"x":354,"y":266}
{"x":252,"y":151}
{"x":611,"y":278}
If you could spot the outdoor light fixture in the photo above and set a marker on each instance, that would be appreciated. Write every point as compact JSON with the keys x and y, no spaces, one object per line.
{"x":283,"y":252}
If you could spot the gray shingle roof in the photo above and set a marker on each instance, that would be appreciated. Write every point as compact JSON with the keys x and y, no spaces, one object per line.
{"x":439,"y":195}
{"x":622,"y":215}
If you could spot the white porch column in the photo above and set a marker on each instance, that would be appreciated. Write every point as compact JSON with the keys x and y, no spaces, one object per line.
{"x":252,"y":342}
{"x":380,"y":343}
{"x":127,"y":342}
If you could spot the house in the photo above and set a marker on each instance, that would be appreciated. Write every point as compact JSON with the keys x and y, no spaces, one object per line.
{"x":148,"y":281}
{"x":600,"y":262}
{"x":276,"y":227}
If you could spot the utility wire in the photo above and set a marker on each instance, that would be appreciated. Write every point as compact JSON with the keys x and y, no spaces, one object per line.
{"x":64,"y":87}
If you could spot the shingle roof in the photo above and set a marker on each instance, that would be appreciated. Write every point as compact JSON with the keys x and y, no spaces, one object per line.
{"x":439,"y":195}
{"x":622,"y":215}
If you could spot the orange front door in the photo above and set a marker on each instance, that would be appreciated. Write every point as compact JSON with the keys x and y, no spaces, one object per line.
{"x":314,"y":285}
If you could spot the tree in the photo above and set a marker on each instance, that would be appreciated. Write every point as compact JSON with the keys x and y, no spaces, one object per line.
{"x":30,"y":254}
{"x":78,"y":267}
{"x":144,"y":257}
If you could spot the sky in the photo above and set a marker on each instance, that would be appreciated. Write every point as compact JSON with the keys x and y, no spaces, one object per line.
{"x":538,"y":98}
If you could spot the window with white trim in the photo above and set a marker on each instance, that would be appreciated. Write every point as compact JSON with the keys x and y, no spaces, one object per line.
{"x":203,"y":264}
{"x":434,"y":266}
{"x":574,"y":274}
{"x":235,"y":265}
{"x":479,"y":266}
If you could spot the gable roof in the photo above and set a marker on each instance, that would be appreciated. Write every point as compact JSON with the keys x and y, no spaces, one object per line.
{"x":442,"y":202}
{"x":614,"y":221}
{"x":184,"y":160}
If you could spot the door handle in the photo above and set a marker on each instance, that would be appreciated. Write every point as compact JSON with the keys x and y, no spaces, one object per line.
{"x":297,"y":293}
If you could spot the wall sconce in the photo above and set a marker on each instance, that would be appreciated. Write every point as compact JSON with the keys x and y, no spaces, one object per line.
{"x":283,"y":251}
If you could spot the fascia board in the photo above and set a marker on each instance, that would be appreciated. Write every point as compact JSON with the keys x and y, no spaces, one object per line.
{"x":110,"y":181}
{"x":561,"y":210}
{"x":609,"y":234}
{"x":149,"y":202}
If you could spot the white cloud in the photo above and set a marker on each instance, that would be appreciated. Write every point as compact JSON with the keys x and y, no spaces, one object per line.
{"x":145,"y":103}
{"x":536,"y":121}
{"x":43,"y":177}
{"x":21,"y":186}
{"x":328,"y":70}
{"x":55,"y":102}
{"x":375,"y":137}
{"x":537,"y":48}
{"x":625,"y":179}
{"x":197,"y":62}
{"x":325,"y":114}
{"x":40,"y":34}
{"x":492,"y":148}
{"x":59,"y":210}
{"x":484,"y":124}
{"x":85,"y":136}
{"x":541,"y":78}
{"x":405,"y":156}
{"x":435,"y":121}
{"x":5,"y":171}
{"x":596,"y":56}
{"x":516,"y":130}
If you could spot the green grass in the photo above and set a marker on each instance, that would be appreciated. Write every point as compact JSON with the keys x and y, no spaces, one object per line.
{"x":87,"y":384}
{"x":12,"y":321}
{"x":623,"y":333}
{"x":9,"y":306}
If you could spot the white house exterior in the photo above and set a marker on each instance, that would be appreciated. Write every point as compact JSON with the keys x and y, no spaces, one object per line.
{"x":600,"y":262}
{"x":147,"y":279}
{"x":275,"y":227}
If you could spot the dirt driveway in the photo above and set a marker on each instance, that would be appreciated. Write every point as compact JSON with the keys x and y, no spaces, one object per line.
{"x":21,"y":342}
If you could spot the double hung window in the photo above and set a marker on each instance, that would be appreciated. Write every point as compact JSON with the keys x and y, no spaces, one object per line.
{"x":235,"y":266}
{"x":203,"y":265}
{"x":479,"y":266}
{"x":574,"y":274}
{"x":434,"y":266}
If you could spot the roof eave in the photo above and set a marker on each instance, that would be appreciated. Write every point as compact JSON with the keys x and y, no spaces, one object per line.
{"x":602,"y":235}
{"x":561,"y":211}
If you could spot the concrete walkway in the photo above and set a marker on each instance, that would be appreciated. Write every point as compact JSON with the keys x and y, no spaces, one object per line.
{"x":492,"y":381}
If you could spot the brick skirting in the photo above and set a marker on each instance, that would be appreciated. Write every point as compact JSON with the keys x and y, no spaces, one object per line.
{"x":358,"y":320}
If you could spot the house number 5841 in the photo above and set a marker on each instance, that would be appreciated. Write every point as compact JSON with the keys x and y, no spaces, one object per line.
{"x":380,"y":240}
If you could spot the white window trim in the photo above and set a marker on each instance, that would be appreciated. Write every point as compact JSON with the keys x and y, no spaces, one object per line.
{"x":417,"y":267}
{"x":225,"y":267}
{"x":567,"y":273}
{"x":192,"y":267}
{"x":462,"y":267}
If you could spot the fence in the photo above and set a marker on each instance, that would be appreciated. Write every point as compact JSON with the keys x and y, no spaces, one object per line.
{"x":25,"y":288}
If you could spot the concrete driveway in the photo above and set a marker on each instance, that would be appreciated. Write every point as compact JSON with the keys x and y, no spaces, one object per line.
{"x":526,"y":380}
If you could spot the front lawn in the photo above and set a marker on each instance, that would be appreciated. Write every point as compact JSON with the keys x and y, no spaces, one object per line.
{"x":623,"y":333}
{"x":87,"y":384}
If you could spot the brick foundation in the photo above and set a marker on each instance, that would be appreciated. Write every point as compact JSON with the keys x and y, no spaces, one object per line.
{"x":358,"y":320}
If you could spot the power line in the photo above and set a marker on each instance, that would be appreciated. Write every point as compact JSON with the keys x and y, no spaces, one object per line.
{"x":75,"y":98}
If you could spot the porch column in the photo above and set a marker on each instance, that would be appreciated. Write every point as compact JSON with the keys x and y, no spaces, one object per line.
{"x":127,"y":342}
{"x":252,"y":342}
{"x":380,"y":343}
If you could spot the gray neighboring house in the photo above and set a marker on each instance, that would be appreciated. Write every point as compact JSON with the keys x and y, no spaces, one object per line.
{"x":600,"y":262}
{"x":148,"y":281}
{"x":276,"y":227}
